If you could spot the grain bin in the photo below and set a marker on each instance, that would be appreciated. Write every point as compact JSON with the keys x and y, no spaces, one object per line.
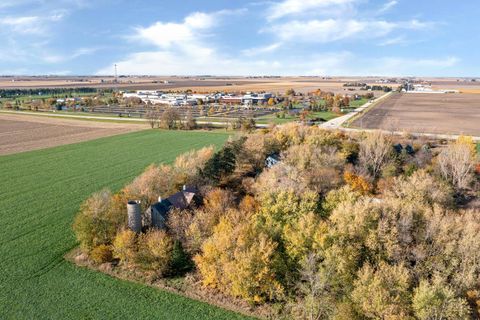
{"x":134,"y":216}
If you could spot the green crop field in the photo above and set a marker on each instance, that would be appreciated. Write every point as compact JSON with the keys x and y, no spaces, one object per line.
{"x":272,"y":118}
{"x":40,"y":194}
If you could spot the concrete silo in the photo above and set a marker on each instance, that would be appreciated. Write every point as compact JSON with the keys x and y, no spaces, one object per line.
{"x":134,"y":216}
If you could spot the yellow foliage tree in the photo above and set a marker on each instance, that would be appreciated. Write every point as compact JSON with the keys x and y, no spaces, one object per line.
{"x":125,"y":246}
{"x":468,"y":141}
{"x":240,"y":261}
{"x":155,"y":251}
{"x":357,"y":183}
{"x":304,"y":236}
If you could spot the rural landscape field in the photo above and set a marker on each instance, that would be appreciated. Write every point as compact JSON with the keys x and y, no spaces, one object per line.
{"x":281,"y":159}
{"x":426,"y":113}
{"x":41,"y":192}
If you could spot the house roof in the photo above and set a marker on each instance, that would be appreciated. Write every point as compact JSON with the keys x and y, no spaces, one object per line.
{"x":180,"y":200}
{"x":162,"y":207}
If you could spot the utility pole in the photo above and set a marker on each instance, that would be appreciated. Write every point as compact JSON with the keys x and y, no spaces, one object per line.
{"x":116,"y":79}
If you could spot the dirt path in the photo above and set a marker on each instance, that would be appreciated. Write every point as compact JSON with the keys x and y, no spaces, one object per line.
{"x":19,"y":133}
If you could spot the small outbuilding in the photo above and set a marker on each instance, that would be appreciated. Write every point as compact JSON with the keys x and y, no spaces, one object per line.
{"x":272,"y":160}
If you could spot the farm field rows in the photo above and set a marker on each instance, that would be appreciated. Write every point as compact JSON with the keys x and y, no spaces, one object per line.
{"x":41,"y":192}
{"x":425,"y":113}
{"x":199,"y":84}
{"x":20,"y":133}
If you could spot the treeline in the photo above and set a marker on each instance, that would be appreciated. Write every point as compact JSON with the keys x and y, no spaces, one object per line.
{"x":364,"y":86}
{"x":342,"y":227}
{"x":377,"y":88}
{"x":61,"y":92}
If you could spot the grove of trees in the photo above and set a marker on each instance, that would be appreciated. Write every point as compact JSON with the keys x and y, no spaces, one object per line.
{"x":343,"y":227}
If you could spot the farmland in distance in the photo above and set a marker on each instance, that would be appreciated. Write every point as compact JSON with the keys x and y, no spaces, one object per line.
{"x":425,"y":113}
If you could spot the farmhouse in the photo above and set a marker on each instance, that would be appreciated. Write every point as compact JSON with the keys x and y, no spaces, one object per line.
{"x":157,"y":214}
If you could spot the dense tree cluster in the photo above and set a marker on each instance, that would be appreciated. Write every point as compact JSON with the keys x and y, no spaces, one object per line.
{"x":342,"y":227}
{"x":59,"y":92}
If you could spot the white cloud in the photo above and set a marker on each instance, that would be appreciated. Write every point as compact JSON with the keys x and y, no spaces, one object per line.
{"x":393,"y":41}
{"x":323,"y":31}
{"x":184,"y":49}
{"x":296,"y":7}
{"x":83,"y":52}
{"x":188,"y":47}
{"x":181,"y":45}
{"x":168,"y":63}
{"x":168,"y":34}
{"x":250,"y":52}
{"x":37,"y":25}
{"x":21,"y":25}
{"x":7,"y":4}
{"x":388,"y":6}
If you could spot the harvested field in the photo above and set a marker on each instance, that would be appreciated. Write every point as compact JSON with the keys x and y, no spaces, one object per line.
{"x":197,"y":84}
{"x":426,"y":113}
{"x":20,"y":133}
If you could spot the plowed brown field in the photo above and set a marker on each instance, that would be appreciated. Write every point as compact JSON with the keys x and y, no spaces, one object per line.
{"x":20,"y":133}
{"x":426,"y":113}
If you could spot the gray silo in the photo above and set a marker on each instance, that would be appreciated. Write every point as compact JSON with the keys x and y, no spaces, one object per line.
{"x":134,"y":216}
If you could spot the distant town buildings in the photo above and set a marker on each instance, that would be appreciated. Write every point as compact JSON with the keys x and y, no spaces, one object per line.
{"x":423,"y":88}
{"x":184,"y":99}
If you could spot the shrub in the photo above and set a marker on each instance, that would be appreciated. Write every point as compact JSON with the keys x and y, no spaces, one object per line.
{"x":125,"y":246}
{"x":223,"y":162}
{"x":240,"y":261}
{"x":181,"y":262}
{"x":101,"y":254}
{"x":421,"y":188}
{"x":279,"y":209}
{"x":169,"y":118}
{"x":436,"y":300}
{"x":375,"y":151}
{"x":155,"y":181}
{"x":335,"y":197}
{"x":383,"y":293}
{"x":456,"y":164}
{"x":155,"y":251}
{"x":357,"y":183}
{"x":218,"y":200}
{"x":99,"y":218}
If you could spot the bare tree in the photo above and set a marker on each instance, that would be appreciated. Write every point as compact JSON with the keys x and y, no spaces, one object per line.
{"x":190,"y":122}
{"x":169,"y":118}
{"x":316,"y":300}
{"x":153,"y":118}
{"x":374,"y":152}
{"x":455,"y":163}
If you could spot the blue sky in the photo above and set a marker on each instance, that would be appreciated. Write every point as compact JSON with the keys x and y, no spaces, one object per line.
{"x":282,"y":37}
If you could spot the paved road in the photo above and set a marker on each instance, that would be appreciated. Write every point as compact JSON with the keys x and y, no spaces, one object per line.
{"x":51,"y":114}
{"x":338,"y":122}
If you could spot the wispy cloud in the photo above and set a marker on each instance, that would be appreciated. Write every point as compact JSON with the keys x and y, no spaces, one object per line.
{"x":250,"y":52}
{"x":393,"y":41}
{"x":33,"y":24}
{"x":298,"y":7}
{"x":388,"y":6}
{"x":330,"y":30}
